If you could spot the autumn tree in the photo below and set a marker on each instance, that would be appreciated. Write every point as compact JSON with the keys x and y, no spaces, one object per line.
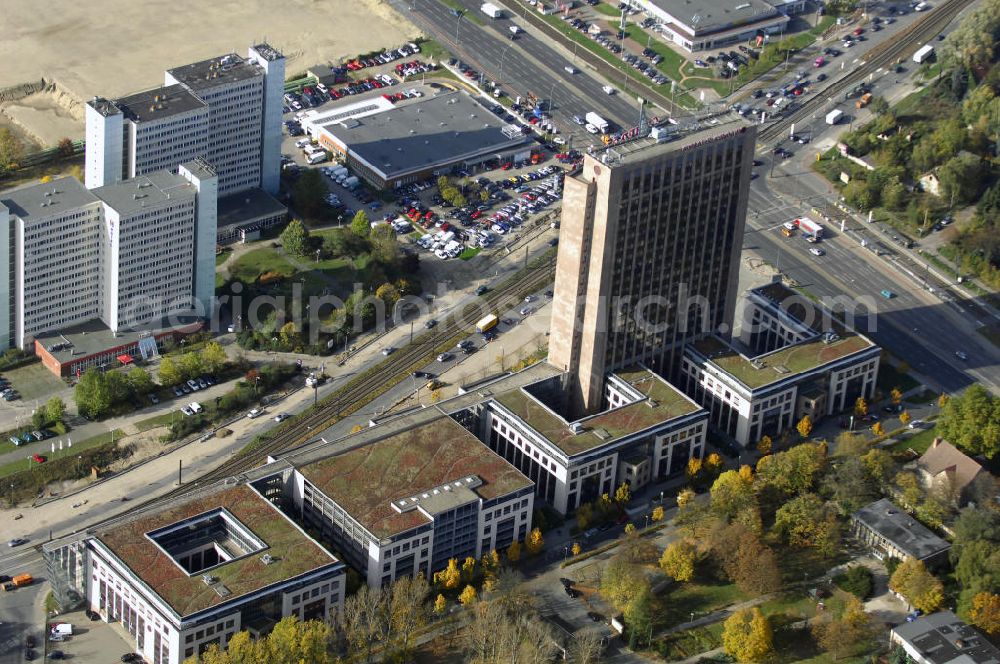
{"x":731,"y":493}
{"x":65,"y":147}
{"x":942,"y":400}
{"x":469,"y":569}
{"x":764,"y":445}
{"x":745,"y":559}
{"x":451,"y":576}
{"x":793,"y":471}
{"x":535,"y":542}
{"x":804,"y":427}
{"x":586,"y":647}
{"x":985,"y":612}
{"x":658,"y":514}
{"x":860,"y":407}
{"x":637,"y":549}
{"x":918,"y":586}
{"x":693,"y":469}
{"x":840,"y":635}
{"x":685,"y":497}
{"x":576,"y":549}
{"x":622,"y":495}
{"x":440,"y":605}
{"x":747,"y":637}
{"x":514,"y":551}
{"x":678,"y":560}
{"x":713,"y":464}
{"x":805,"y":521}
{"x":407,"y":611}
{"x":11,"y":150}
{"x":622,"y":580}
{"x":290,"y":641}
{"x":895,"y":396}
{"x":468,"y":596}
{"x":849,"y":444}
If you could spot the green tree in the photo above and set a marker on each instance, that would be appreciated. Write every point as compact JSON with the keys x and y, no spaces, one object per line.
{"x":11,"y":150}
{"x":309,"y":195}
{"x":747,"y":636}
{"x":360,"y":225}
{"x":55,"y":410}
{"x":189,"y":365}
{"x":638,"y":616}
{"x":961,"y":178}
{"x":295,"y":238}
{"x":973,"y":43}
{"x":213,"y":357}
{"x":169,"y":373}
{"x":92,"y":394}
{"x":793,"y":471}
{"x":384,"y":245}
{"x":621,"y":581}
{"x":918,"y":586}
{"x":972,"y":421}
{"x":140,"y":381}
{"x":879,"y":105}
{"x":678,"y":560}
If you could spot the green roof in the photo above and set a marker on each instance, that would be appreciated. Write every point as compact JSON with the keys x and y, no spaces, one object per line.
{"x":294,"y":552}
{"x":365,"y":480}
{"x":782,"y":363}
{"x":662,"y":403}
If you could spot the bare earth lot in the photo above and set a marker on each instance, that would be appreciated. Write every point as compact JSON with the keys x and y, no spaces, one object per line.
{"x":113,"y":47}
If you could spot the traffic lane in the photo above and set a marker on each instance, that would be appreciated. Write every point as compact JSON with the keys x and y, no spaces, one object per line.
{"x":22,"y":611}
{"x":890,"y":328}
{"x":552,"y":58}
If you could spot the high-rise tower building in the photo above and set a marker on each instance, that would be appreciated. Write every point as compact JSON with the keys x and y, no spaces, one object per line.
{"x":225,"y":110}
{"x":648,"y":253}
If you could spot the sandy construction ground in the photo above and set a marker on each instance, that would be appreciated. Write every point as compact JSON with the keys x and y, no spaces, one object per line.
{"x":113,"y":47}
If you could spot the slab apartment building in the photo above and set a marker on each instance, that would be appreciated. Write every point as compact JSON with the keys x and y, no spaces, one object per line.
{"x":648,"y":254}
{"x":225,"y":110}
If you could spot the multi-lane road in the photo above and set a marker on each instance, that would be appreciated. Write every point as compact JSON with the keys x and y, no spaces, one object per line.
{"x":523,"y":65}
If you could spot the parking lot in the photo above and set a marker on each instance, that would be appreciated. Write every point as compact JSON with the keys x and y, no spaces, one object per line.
{"x":91,"y":641}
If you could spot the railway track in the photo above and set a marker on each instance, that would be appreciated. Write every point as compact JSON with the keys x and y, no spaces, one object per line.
{"x":367,"y":386}
{"x":881,"y":56}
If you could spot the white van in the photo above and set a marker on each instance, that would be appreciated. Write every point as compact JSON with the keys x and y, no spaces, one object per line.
{"x":317,"y":157}
{"x":570,"y":69}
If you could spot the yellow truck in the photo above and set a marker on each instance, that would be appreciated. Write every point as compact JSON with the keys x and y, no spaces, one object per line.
{"x":18,"y":581}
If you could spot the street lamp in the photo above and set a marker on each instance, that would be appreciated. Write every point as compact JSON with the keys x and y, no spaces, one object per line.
{"x":502,"y":55}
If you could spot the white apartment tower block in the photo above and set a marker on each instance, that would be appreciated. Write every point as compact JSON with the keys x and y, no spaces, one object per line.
{"x":225,"y":110}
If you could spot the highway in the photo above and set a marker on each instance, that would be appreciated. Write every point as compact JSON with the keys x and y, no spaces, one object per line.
{"x":526,"y":64}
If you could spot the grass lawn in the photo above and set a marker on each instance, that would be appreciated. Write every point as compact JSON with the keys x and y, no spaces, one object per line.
{"x":926,"y":396}
{"x":161,"y":420}
{"x":607,"y":10}
{"x":918,"y":442}
{"x":252,"y":264}
{"x":34,"y":381}
{"x":699,"y":598}
{"x":221,"y":257}
{"x":78,"y":446}
{"x":470,"y":252}
{"x":890,"y":377}
{"x":690,"y":642}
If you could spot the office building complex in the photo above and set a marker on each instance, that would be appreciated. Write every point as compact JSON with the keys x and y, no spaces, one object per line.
{"x":403,"y":500}
{"x":713,"y":23}
{"x":648,"y":256}
{"x":793,"y":358}
{"x":125,"y":254}
{"x":196,"y":571}
{"x":225,"y":110}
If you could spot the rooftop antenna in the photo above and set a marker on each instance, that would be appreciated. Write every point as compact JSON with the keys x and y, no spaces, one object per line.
{"x":643,"y":123}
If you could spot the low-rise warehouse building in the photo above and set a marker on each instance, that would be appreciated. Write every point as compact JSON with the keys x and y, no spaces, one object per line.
{"x":711,"y":24}
{"x":801,"y":361}
{"x":390,"y":145}
{"x":196,"y":571}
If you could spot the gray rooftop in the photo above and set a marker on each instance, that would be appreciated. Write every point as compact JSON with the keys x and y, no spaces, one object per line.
{"x":438,"y":130}
{"x":215,"y":71}
{"x":159,"y":103}
{"x":267,"y":51}
{"x":49,"y":199}
{"x":247,"y":206}
{"x":145,"y":191}
{"x":683,"y":136}
{"x":94,"y":337}
{"x":706,"y":16}
{"x":941,"y":638}
{"x":901,"y":529}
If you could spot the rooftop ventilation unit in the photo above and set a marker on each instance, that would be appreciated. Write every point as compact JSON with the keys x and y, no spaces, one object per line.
{"x":208,"y":579}
{"x":576,"y":427}
{"x":267,"y":559}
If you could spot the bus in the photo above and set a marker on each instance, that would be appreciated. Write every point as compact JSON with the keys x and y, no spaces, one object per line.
{"x":487,"y":323}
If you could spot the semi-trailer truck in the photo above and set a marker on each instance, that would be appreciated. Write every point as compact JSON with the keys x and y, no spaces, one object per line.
{"x":923,"y":54}
{"x":599,"y":122}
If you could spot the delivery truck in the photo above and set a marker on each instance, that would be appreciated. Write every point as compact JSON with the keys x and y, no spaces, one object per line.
{"x":487,"y":323}
{"x":491,"y":10}
{"x":833,"y":117}
{"x":809,"y":227}
{"x":866,"y":99}
{"x":597,"y":121}
{"x":923,"y":54}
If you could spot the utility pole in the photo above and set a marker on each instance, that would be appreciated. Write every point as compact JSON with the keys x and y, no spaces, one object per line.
{"x":180,"y":465}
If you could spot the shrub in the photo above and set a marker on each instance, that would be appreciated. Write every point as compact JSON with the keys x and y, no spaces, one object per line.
{"x":856,"y":580}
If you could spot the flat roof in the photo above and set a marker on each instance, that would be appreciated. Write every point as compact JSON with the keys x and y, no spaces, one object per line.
{"x":440,"y":129}
{"x":48,"y":199}
{"x":365,"y":480}
{"x":145,"y":191}
{"x":706,"y":16}
{"x":215,"y":71}
{"x":247,"y":206}
{"x":159,"y":103}
{"x":687,"y":134}
{"x":902,"y":530}
{"x":782,"y":363}
{"x":294,"y":552}
{"x":942,"y":638}
{"x":94,"y":337}
{"x":661,"y":403}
